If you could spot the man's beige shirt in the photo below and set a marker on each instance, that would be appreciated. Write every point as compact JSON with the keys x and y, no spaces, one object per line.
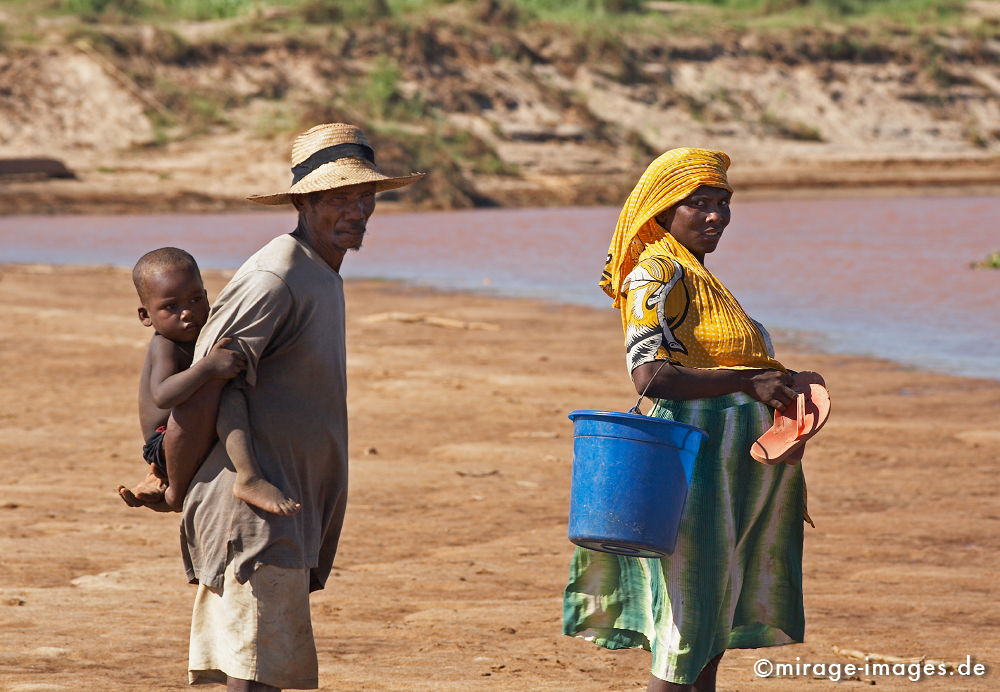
{"x":284,"y":309}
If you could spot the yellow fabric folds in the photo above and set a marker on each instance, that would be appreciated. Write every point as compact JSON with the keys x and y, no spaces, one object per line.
{"x":670,"y":178}
{"x":673,"y":308}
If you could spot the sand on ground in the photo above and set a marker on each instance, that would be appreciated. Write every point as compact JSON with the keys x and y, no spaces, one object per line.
{"x":454,"y":553}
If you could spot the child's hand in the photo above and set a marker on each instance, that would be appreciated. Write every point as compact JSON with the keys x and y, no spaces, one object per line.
{"x":222,"y":362}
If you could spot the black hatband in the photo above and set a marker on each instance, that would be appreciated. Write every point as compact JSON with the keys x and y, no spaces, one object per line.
{"x":337,"y":151}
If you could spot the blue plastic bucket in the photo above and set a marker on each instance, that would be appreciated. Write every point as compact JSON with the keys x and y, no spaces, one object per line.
{"x":630,"y":480}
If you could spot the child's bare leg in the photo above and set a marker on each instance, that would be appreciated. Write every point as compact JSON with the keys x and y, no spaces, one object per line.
{"x":259,"y":492}
{"x":148,"y":491}
{"x":189,"y":439}
{"x":250,"y":484}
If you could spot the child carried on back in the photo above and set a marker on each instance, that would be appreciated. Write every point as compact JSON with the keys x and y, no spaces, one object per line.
{"x":173,"y":301}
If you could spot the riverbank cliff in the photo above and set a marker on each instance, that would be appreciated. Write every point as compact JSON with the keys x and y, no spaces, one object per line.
{"x":503,"y":106}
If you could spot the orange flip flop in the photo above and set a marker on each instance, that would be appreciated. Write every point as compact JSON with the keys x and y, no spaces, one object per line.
{"x":796,"y":424}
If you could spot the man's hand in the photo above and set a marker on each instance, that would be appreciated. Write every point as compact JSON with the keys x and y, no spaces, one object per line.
{"x":223,"y":363}
{"x":771,"y":387}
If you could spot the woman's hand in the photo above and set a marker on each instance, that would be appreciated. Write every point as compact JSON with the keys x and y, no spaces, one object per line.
{"x":771,"y":387}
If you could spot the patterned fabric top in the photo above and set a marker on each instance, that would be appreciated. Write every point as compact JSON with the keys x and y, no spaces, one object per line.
{"x":677,"y":310}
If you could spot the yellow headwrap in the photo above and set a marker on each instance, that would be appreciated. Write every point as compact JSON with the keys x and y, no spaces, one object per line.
{"x":668,"y":180}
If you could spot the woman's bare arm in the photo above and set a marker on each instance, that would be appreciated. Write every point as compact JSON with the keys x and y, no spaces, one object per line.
{"x":668,"y":381}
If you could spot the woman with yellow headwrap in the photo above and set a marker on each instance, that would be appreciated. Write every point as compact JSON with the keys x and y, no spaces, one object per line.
{"x":735,"y":577}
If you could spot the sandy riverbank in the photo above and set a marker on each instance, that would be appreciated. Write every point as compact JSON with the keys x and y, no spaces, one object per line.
{"x":454,"y":554}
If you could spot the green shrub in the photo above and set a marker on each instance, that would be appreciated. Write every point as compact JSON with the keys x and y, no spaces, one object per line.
{"x":790,"y":129}
{"x":190,"y":110}
{"x":992,"y":261}
{"x":621,"y":15}
{"x":381,"y":89}
{"x":844,"y":8}
{"x":377,"y":95}
{"x":167,"y":9}
{"x":202,"y":9}
{"x":332,"y":11}
{"x":448,"y":154}
{"x":581,"y":9}
{"x":96,"y":9}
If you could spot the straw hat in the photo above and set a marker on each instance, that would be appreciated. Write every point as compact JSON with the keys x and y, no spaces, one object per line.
{"x":334,"y":155}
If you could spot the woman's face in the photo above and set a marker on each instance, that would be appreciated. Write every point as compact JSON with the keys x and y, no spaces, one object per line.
{"x":698,"y":220}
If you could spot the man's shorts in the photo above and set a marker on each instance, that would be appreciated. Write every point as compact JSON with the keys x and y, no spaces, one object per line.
{"x":152,"y":451}
{"x":260,"y":630}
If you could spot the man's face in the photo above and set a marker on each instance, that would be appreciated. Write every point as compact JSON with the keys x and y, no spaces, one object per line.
{"x":175,"y":304}
{"x":336,"y":220}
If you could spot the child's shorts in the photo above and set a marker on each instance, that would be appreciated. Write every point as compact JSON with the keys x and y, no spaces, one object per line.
{"x":152,"y":451}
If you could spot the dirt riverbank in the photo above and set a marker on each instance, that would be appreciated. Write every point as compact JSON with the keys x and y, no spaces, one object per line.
{"x":502,"y":109}
{"x":454,"y":553}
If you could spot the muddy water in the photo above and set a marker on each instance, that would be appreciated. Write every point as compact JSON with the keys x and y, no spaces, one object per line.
{"x":885,"y":277}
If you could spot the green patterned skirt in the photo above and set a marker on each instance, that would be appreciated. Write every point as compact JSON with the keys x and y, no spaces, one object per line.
{"x":734,"y":580}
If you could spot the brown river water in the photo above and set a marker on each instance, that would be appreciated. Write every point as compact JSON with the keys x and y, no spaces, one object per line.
{"x":888,"y":277}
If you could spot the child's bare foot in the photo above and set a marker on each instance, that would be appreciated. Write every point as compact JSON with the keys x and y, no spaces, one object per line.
{"x":132,"y":501}
{"x":151,"y":488}
{"x":128,"y":497}
{"x":148,"y":492}
{"x":259,"y":493}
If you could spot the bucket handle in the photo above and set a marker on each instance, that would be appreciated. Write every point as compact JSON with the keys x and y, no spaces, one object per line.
{"x":635,"y":409}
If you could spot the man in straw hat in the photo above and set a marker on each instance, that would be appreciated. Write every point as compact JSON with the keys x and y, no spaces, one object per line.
{"x":284,"y":310}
